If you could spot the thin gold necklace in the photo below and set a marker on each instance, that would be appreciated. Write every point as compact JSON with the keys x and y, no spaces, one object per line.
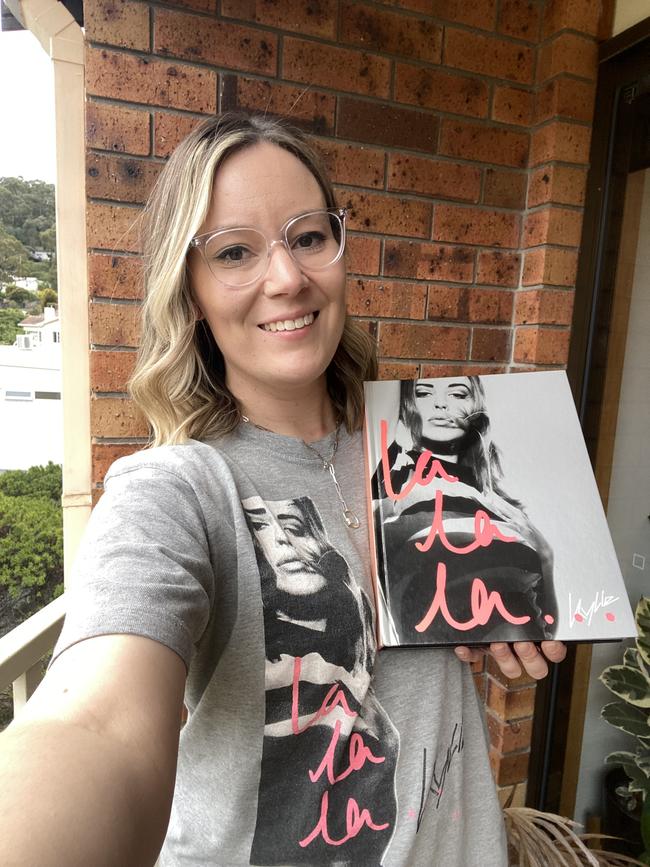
{"x":328,"y":464}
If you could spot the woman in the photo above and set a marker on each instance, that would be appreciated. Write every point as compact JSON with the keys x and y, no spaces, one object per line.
{"x":250,"y":375}
{"x":427,"y":533}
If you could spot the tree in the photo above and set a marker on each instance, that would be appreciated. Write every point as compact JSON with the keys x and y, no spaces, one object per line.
{"x":31,"y":542}
{"x":48,"y":297}
{"x":27,"y":209}
{"x":27,"y":216}
{"x":13,"y":256}
{"x":35,"y":482}
{"x":9,"y":319}
{"x":20,"y":297}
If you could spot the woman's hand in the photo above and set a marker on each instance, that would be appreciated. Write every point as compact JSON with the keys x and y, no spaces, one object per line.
{"x":512,"y":658}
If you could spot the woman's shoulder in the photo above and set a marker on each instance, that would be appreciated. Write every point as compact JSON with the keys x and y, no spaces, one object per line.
{"x":187,"y":462}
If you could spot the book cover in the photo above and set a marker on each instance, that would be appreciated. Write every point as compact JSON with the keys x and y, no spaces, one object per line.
{"x":486,"y":523}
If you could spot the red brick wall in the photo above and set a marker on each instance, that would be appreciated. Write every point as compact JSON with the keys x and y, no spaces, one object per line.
{"x":457,"y":133}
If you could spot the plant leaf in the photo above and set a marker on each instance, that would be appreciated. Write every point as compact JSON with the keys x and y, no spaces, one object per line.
{"x":627,"y":718}
{"x":622,"y":758}
{"x":642,"y":617}
{"x":643,"y":762}
{"x":631,"y":657}
{"x":627,"y":683}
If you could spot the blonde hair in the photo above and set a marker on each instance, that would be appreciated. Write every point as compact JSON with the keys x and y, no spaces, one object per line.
{"x":179,"y":379}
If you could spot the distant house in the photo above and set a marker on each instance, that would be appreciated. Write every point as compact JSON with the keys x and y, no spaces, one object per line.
{"x":41,"y":330}
{"x":31,"y":414}
{"x":30,"y":283}
{"x":40,"y":255}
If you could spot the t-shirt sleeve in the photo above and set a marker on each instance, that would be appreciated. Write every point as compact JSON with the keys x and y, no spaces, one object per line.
{"x":144,"y":566}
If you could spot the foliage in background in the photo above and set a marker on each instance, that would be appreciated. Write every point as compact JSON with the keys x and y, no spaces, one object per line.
{"x":34,"y":482}
{"x":31,"y":542}
{"x":27,"y":223}
{"x":9,"y":319}
{"x":630,"y":682}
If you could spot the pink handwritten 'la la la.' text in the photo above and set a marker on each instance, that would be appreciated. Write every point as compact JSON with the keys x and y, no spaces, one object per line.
{"x":356,"y":818}
{"x":482,"y":602}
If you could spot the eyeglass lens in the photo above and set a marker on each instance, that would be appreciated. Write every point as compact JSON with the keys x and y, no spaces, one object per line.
{"x":240,"y":256}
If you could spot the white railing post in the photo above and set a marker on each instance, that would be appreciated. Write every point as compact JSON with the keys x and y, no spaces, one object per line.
{"x":22,"y":650}
{"x":25,"y":685}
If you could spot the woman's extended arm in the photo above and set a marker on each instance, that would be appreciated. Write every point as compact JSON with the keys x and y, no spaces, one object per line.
{"x":88,"y":767}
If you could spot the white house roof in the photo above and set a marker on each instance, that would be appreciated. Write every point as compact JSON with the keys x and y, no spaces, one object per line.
{"x":45,"y":318}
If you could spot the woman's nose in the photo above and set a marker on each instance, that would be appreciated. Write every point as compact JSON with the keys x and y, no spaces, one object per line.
{"x":283,"y":276}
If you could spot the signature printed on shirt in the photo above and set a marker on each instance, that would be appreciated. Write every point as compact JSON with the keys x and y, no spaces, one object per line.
{"x":441,"y":768}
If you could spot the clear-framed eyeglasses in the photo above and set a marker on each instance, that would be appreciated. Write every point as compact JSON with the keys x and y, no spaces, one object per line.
{"x":239,"y":257}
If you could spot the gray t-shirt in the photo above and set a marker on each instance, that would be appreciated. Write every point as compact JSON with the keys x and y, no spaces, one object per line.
{"x":303,"y":745}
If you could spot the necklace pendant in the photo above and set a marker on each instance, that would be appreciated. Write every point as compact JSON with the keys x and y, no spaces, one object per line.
{"x":351,"y":519}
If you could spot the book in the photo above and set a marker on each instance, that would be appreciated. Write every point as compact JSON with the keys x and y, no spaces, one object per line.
{"x":485,"y":519}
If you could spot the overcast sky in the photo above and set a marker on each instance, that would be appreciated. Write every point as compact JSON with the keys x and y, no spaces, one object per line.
{"x":26,"y":108}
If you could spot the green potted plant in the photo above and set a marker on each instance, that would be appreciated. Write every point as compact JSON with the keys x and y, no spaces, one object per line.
{"x":630,"y":683}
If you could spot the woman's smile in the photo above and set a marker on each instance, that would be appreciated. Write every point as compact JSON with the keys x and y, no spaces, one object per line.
{"x":290,"y":323}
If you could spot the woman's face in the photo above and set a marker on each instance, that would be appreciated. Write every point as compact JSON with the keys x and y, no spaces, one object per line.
{"x":289,"y":544}
{"x":440,"y":404}
{"x":262,"y":187}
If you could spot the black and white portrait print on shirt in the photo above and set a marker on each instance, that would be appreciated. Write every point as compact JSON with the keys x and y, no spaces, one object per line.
{"x":327,"y":785}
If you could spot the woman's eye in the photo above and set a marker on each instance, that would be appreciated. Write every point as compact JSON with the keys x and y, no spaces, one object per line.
{"x":309,"y":241}
{"x":459,"y":395}
{"x":233,"y":256}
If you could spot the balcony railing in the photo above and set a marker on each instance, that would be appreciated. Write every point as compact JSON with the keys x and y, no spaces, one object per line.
{"x":22,"y":650}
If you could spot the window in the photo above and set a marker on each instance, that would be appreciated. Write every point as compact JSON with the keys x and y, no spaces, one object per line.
{"x":16,"y":394}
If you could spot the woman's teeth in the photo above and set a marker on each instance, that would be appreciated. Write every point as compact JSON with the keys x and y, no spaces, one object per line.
{"x":290,"y":324}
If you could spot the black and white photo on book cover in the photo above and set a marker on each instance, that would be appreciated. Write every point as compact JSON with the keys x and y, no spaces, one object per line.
{"x":486,"y":521}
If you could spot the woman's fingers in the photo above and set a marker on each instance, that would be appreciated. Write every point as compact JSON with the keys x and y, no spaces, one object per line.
{"x":554,"y":650}
{"x":505,"y":659}
{"x":469,"y":654}
{"x":512,"y":659}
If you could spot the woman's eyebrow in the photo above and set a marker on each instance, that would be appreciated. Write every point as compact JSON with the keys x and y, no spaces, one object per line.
{"x":458,"y":385}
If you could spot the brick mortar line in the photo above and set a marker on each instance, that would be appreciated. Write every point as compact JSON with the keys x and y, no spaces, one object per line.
{"x":524,"y":366}
{"x":106,"y":347}
{"x":562,"y":118}
{"x":134,"y":206}
{"x":103,"y":301}
{"x":118,"y":441}
{"x":545,"y":287}
{"x":429,"y":199}
{"x":564,"y":75}
{"x":390,"y":359}
{"x":127,"y":254}
{"x":414,"y":281}
{"x":544,"y":244}
{"x":554,"y":119}
{"x":438,"y":323}
{"x":203,"y":64}
{"x":510,"y":688}
{"x":147,"y":159}
{"x":96,"y":99}
{"x":520,"y":275}
{"x":548,"y":326}
{"x":546,"y":40}
{"x":554,"y":246}
{"x":492,"y":713}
